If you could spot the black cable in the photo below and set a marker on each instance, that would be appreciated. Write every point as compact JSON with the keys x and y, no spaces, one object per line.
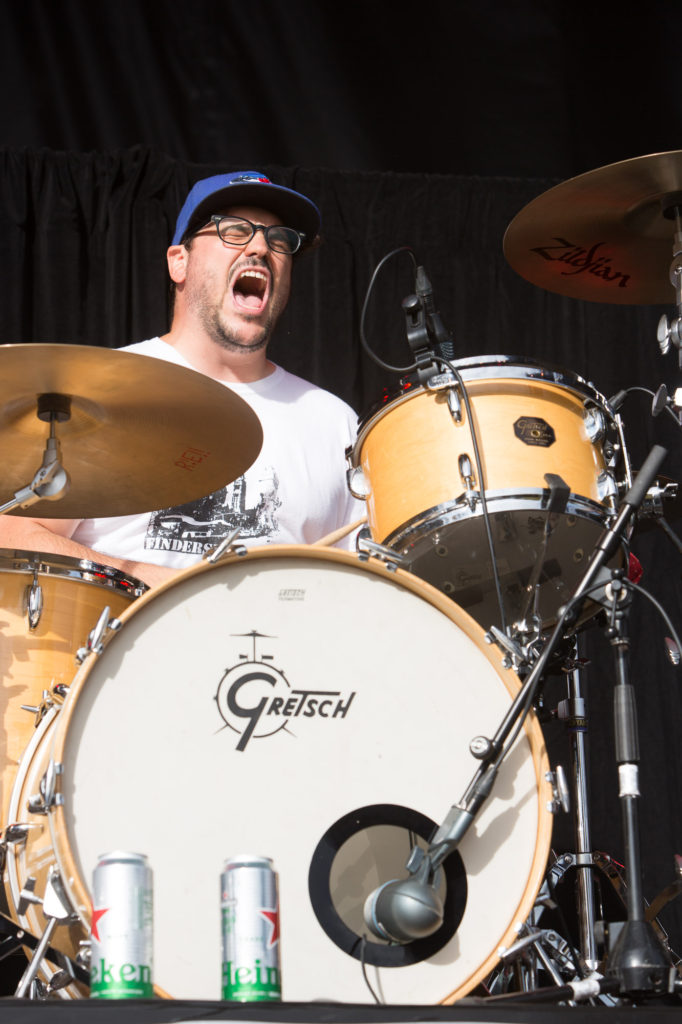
{"x":363,"y":315}
{"x":479,"y":470}
{"x":364,"y":970}
{"x":648,"y":391}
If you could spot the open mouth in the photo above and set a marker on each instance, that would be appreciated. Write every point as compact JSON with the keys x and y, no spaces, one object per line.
{"x":250,"y":290}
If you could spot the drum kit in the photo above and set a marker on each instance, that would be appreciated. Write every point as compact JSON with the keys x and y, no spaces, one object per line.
{"x":230,"y":709}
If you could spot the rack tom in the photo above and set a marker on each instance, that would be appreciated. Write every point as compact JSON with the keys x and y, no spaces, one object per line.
{"x":552,"y":460}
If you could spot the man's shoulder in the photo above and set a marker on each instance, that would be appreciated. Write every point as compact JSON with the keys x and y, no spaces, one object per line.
{"x":151,"y":346}
{"x":300,"y":388}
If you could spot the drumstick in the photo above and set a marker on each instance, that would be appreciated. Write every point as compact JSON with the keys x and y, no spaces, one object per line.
{"x":343,"y":531}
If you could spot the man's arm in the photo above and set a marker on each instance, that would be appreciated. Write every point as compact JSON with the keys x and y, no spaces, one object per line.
{"x":53,"y":536}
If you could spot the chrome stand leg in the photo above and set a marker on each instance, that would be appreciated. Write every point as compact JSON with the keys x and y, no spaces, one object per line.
{"x":577,"y":724}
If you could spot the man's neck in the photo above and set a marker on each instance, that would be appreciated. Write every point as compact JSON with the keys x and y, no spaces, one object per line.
{"x":208,"y":357}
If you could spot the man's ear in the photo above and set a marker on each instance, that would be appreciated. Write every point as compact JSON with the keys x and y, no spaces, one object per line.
{"x":177,"y":263}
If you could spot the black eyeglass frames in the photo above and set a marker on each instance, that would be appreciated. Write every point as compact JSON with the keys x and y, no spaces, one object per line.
{"x":239,"y":231}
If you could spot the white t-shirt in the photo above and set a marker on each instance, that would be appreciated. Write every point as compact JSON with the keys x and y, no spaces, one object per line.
{"x":294,"y":493}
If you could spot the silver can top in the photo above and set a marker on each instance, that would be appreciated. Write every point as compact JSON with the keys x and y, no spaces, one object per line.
{"x":253,"y":860}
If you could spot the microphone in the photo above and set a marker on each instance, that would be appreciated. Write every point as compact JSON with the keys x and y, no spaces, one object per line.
{"x":404,"y":910}
{"x":660,"y":401}
{"x":433,"y":321}
{"x":617,"y":400}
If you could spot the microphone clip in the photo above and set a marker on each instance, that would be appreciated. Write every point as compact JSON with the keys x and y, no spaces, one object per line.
{"x":418,"y":337}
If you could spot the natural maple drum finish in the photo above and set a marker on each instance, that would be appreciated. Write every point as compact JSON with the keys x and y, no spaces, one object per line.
{"x":73,"y":595}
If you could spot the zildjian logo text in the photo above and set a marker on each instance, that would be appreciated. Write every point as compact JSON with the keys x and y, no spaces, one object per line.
{"x":582,"y":261}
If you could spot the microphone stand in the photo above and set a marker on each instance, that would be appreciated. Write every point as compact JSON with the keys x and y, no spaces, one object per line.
{"x":637,"y":962}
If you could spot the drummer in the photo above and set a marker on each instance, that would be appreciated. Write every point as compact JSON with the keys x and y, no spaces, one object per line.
{"x":230,"y":263}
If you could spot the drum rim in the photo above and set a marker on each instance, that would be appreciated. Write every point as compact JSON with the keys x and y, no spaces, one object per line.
{"x":15,"y":561}
{"x":503,"y":500}
{"x":506,"y":366}
{"x":78,"y":890}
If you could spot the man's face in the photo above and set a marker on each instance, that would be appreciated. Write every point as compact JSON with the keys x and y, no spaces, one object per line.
{"x":236,"y":293}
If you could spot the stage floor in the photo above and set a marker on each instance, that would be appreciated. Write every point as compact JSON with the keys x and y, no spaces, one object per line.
{"x":466,"y":1011}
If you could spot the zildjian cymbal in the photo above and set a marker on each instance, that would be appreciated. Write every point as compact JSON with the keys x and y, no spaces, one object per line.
{"x":604,"y":236}
{"x":136,"y":433}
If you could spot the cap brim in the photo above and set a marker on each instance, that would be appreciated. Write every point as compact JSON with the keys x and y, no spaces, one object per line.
{"x":293,"y":209}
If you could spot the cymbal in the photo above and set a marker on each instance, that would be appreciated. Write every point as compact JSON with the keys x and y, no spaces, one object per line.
{"x":603,"y":235}
{"x":141,"y":434}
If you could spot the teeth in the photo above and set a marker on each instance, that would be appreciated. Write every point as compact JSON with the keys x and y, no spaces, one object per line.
{"x":253,"y":273}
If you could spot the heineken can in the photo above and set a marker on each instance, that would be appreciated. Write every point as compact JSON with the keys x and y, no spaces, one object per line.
{"x":250,"y":930}
{"x":122,"y":927}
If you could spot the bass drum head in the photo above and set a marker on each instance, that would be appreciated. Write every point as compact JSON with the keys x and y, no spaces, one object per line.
{"x":299,"y":704}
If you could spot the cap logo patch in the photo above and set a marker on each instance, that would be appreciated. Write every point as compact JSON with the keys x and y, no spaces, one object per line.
{"x":250,"y":177}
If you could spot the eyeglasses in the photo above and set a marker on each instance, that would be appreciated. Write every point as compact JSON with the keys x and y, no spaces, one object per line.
{"x":240,"y":231}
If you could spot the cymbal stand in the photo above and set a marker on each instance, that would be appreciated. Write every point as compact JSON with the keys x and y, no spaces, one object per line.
{"x":669,"y":331}
{"x":51,"y":480}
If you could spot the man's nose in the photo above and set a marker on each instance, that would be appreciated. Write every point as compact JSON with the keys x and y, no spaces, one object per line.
{"x":258,"y":245}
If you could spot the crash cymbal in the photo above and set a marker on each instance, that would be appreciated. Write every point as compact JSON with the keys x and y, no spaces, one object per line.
{"x":602,"y":236}
{"x":141,"y":433}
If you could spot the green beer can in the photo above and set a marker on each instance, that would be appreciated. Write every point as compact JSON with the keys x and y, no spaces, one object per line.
{"x":121,"y":928}
{"x":249,"y":912}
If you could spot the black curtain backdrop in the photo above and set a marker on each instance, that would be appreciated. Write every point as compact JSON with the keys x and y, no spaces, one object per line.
{"x":82,"y":258}
{"x":533,"y":87}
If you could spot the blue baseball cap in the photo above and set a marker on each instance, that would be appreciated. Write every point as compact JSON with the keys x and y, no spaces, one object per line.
{"x":246,"y":188}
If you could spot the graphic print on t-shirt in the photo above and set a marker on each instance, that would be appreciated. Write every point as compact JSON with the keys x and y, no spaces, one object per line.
{"x":196,"y":526}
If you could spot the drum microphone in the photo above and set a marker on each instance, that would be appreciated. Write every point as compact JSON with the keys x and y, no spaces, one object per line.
{"x":404,"y":910}
{"x":434,"y":323}
{"x":660,"y":401}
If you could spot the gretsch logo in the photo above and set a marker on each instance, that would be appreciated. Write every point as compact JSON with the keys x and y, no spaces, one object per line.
{"x":255,"y":699}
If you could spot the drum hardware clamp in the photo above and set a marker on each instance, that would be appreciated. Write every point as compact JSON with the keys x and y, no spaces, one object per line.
{"x":51,"y":481}
{"x":355,"y":478}
{"x":441,"y":381}
{"x":227,"y":546}
{"x":48,"y":797}
{"x":57,"y":911}
{"x":513,"y":654}
{"x":447,"y":382}
{"x":368,"y":548}
{"x":48,"y":701}
{"x":34,"y":603}
{"x":466,"y":472}
{"x":561,"y":798}
{"x":95,"y":641}
{"x":84,"y":954}
{"x":14,"y":835}
{"x":542,"y":940}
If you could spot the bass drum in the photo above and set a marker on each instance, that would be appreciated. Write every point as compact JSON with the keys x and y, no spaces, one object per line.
{"x":300,"y":704}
